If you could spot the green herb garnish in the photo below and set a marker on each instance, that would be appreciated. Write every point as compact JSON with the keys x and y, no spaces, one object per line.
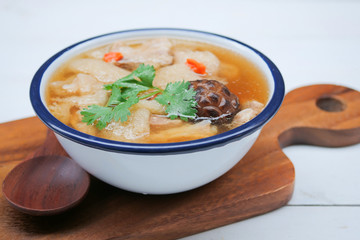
{"x":179,"y":101}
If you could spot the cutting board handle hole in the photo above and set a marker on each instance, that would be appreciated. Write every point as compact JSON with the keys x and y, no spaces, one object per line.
{"x":330,"y":104}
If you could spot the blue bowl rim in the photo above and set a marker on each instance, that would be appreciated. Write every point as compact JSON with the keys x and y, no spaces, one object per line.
{"x":168,"y":148}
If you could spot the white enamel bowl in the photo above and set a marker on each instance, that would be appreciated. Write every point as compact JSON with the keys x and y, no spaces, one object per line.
{"x":158,"y":168}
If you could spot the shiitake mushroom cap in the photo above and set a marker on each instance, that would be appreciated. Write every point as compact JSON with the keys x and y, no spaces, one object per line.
{"x":215,"y":101}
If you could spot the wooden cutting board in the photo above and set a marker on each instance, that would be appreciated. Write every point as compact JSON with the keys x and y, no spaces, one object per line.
{"x":324,"y":115}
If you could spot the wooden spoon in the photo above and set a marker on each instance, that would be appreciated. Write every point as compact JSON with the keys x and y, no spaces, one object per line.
{"x":46,"y":183}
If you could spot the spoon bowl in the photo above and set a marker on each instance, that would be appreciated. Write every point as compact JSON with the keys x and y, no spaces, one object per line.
{"x":46,"y":184}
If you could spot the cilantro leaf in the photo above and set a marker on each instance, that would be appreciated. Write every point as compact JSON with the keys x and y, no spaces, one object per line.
{"x":121,"y":111}
{"x":179,"y":100}
{"x":131,"y":89}
{"x":144,"y":73}
{"x":123,"y":95}
{"x":130,"y":85}
{"x":103,"y":115}
{"x":115,"y":96}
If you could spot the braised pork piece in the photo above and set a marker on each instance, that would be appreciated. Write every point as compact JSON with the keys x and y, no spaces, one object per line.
{"x":156,"y":90}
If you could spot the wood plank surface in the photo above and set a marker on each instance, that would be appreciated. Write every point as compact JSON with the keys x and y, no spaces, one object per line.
{"x":262,"y":181}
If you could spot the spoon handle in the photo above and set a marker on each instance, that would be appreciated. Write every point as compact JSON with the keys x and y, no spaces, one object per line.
{"x":50,"y":147}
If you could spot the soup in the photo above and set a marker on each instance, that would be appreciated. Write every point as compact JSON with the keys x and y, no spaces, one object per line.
{"x":156,"y":90}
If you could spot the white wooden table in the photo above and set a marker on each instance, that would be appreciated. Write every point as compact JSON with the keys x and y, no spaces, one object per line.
{"x":310,"y":41}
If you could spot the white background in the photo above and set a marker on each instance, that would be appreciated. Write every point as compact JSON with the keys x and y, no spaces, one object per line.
{"x":310,"y":41}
